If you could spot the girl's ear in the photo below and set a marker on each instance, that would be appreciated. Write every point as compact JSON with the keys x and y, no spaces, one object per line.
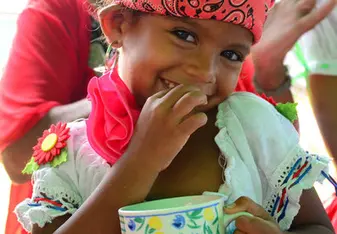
{"x":114,"y":21}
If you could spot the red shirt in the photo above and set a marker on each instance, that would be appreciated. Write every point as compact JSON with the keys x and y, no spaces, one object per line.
{"x":48,"y":66}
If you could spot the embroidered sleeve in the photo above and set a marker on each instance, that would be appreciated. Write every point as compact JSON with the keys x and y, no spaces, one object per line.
{"x":300,"y":170}
{"x":53,"y":166}
{"x":54,"y":195}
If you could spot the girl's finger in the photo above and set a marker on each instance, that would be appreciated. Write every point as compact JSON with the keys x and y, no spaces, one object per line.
{"x":175,"y":94}
{"x":160,"y":94}
{"x":256,"y":225}
{"x":188,"y":102}
{"x":192,"y":123}
{"x":239,"y":232}
{"x":245,"y":204}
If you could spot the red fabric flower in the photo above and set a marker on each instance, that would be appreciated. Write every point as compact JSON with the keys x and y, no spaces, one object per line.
{"x":114,"y":114}
{"x":268,"y":99}
{"x":51,"y":143}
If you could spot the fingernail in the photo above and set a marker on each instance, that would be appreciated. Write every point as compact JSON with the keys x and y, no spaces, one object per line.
{"x":230,"y":206}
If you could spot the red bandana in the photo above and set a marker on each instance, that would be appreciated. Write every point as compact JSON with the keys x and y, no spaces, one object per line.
{"x":250,"y":14}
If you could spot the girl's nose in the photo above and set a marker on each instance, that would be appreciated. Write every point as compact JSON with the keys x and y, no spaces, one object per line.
{"x":202,"y":68}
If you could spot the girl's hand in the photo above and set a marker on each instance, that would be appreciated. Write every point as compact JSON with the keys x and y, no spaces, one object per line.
{"x":166,"y":122}
{"x":261,"y":223}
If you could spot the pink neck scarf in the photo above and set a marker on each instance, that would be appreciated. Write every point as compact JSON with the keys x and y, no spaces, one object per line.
{"x":114,"y":114}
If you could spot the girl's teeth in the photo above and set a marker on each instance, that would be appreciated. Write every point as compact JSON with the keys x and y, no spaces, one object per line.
{"x":169,"y":84}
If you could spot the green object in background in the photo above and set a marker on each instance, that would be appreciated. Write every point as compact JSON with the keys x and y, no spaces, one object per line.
{"x":325,"y":66}
{"x":288,"y":110}
{"x":300,"y":56}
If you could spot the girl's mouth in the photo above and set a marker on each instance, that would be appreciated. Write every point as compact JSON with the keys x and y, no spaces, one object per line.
{"x":169,"y":84}
{"x":208,"y":88}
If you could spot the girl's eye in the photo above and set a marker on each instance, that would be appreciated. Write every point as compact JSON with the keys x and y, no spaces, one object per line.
{"x":184,"y":35}
{"x":232,"y":56}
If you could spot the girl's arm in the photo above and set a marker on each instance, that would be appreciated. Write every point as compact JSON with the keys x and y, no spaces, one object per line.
{"x":312,"y":217}
{"x":163,"y":128}
{"x":17,"y":154}
{"x":128,"y":182}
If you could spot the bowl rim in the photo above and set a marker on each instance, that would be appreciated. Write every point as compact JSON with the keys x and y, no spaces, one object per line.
{"x":218,"y":198}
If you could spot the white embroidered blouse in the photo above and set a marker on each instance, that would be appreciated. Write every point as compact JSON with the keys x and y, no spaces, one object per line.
{"x":263,"y":162}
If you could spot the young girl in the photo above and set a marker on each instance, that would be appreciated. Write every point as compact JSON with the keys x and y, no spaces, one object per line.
{"x":180,"y":60}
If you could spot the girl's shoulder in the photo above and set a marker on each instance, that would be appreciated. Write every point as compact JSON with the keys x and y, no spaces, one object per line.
{"x":65,"y":171}
{"x":64,"y":149}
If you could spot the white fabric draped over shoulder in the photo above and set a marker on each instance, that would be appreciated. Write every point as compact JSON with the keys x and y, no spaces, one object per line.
{"x":264,"y":159}
{"x":263,"y":162}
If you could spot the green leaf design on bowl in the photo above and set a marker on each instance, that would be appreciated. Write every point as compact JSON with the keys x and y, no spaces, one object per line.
{"x":149,"y":230}
{"x":140,"y":221}
{"x":207,"y":229}
{"x":194,"y":225}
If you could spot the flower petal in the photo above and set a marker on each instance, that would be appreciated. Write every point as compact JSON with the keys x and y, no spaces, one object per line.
{"x":45,"y":133}
{"x":53,"y":151}
{"x":37,"y":147}
{"x":59,"y":145}
{"x":48,"y":157}
{"x":52,"y":128}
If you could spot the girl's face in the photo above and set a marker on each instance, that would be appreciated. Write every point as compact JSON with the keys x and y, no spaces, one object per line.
{"x":160,"y":52}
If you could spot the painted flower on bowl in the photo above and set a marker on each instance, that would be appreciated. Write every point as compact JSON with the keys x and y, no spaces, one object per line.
{"x":132,"y":225}
{"x":209,"y":214}
{"x":179,"y":222}
{"x":155,"y":223}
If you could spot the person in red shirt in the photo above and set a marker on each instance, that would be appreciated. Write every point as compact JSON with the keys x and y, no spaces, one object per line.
{"x":45,"y":81}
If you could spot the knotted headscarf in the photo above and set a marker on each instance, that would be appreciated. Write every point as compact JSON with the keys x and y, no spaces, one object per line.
{"x":250,"y":14}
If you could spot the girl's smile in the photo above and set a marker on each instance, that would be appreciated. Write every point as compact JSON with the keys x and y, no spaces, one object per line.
{"x":209,"y":88}
{"x":160,"y":53}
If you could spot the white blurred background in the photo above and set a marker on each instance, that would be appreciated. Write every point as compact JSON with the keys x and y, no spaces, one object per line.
{"x":9,"y":11}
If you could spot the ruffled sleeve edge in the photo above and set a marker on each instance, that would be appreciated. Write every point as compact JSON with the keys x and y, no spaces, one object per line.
{"x":298,"y":172}
{"x":28,"y":216}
